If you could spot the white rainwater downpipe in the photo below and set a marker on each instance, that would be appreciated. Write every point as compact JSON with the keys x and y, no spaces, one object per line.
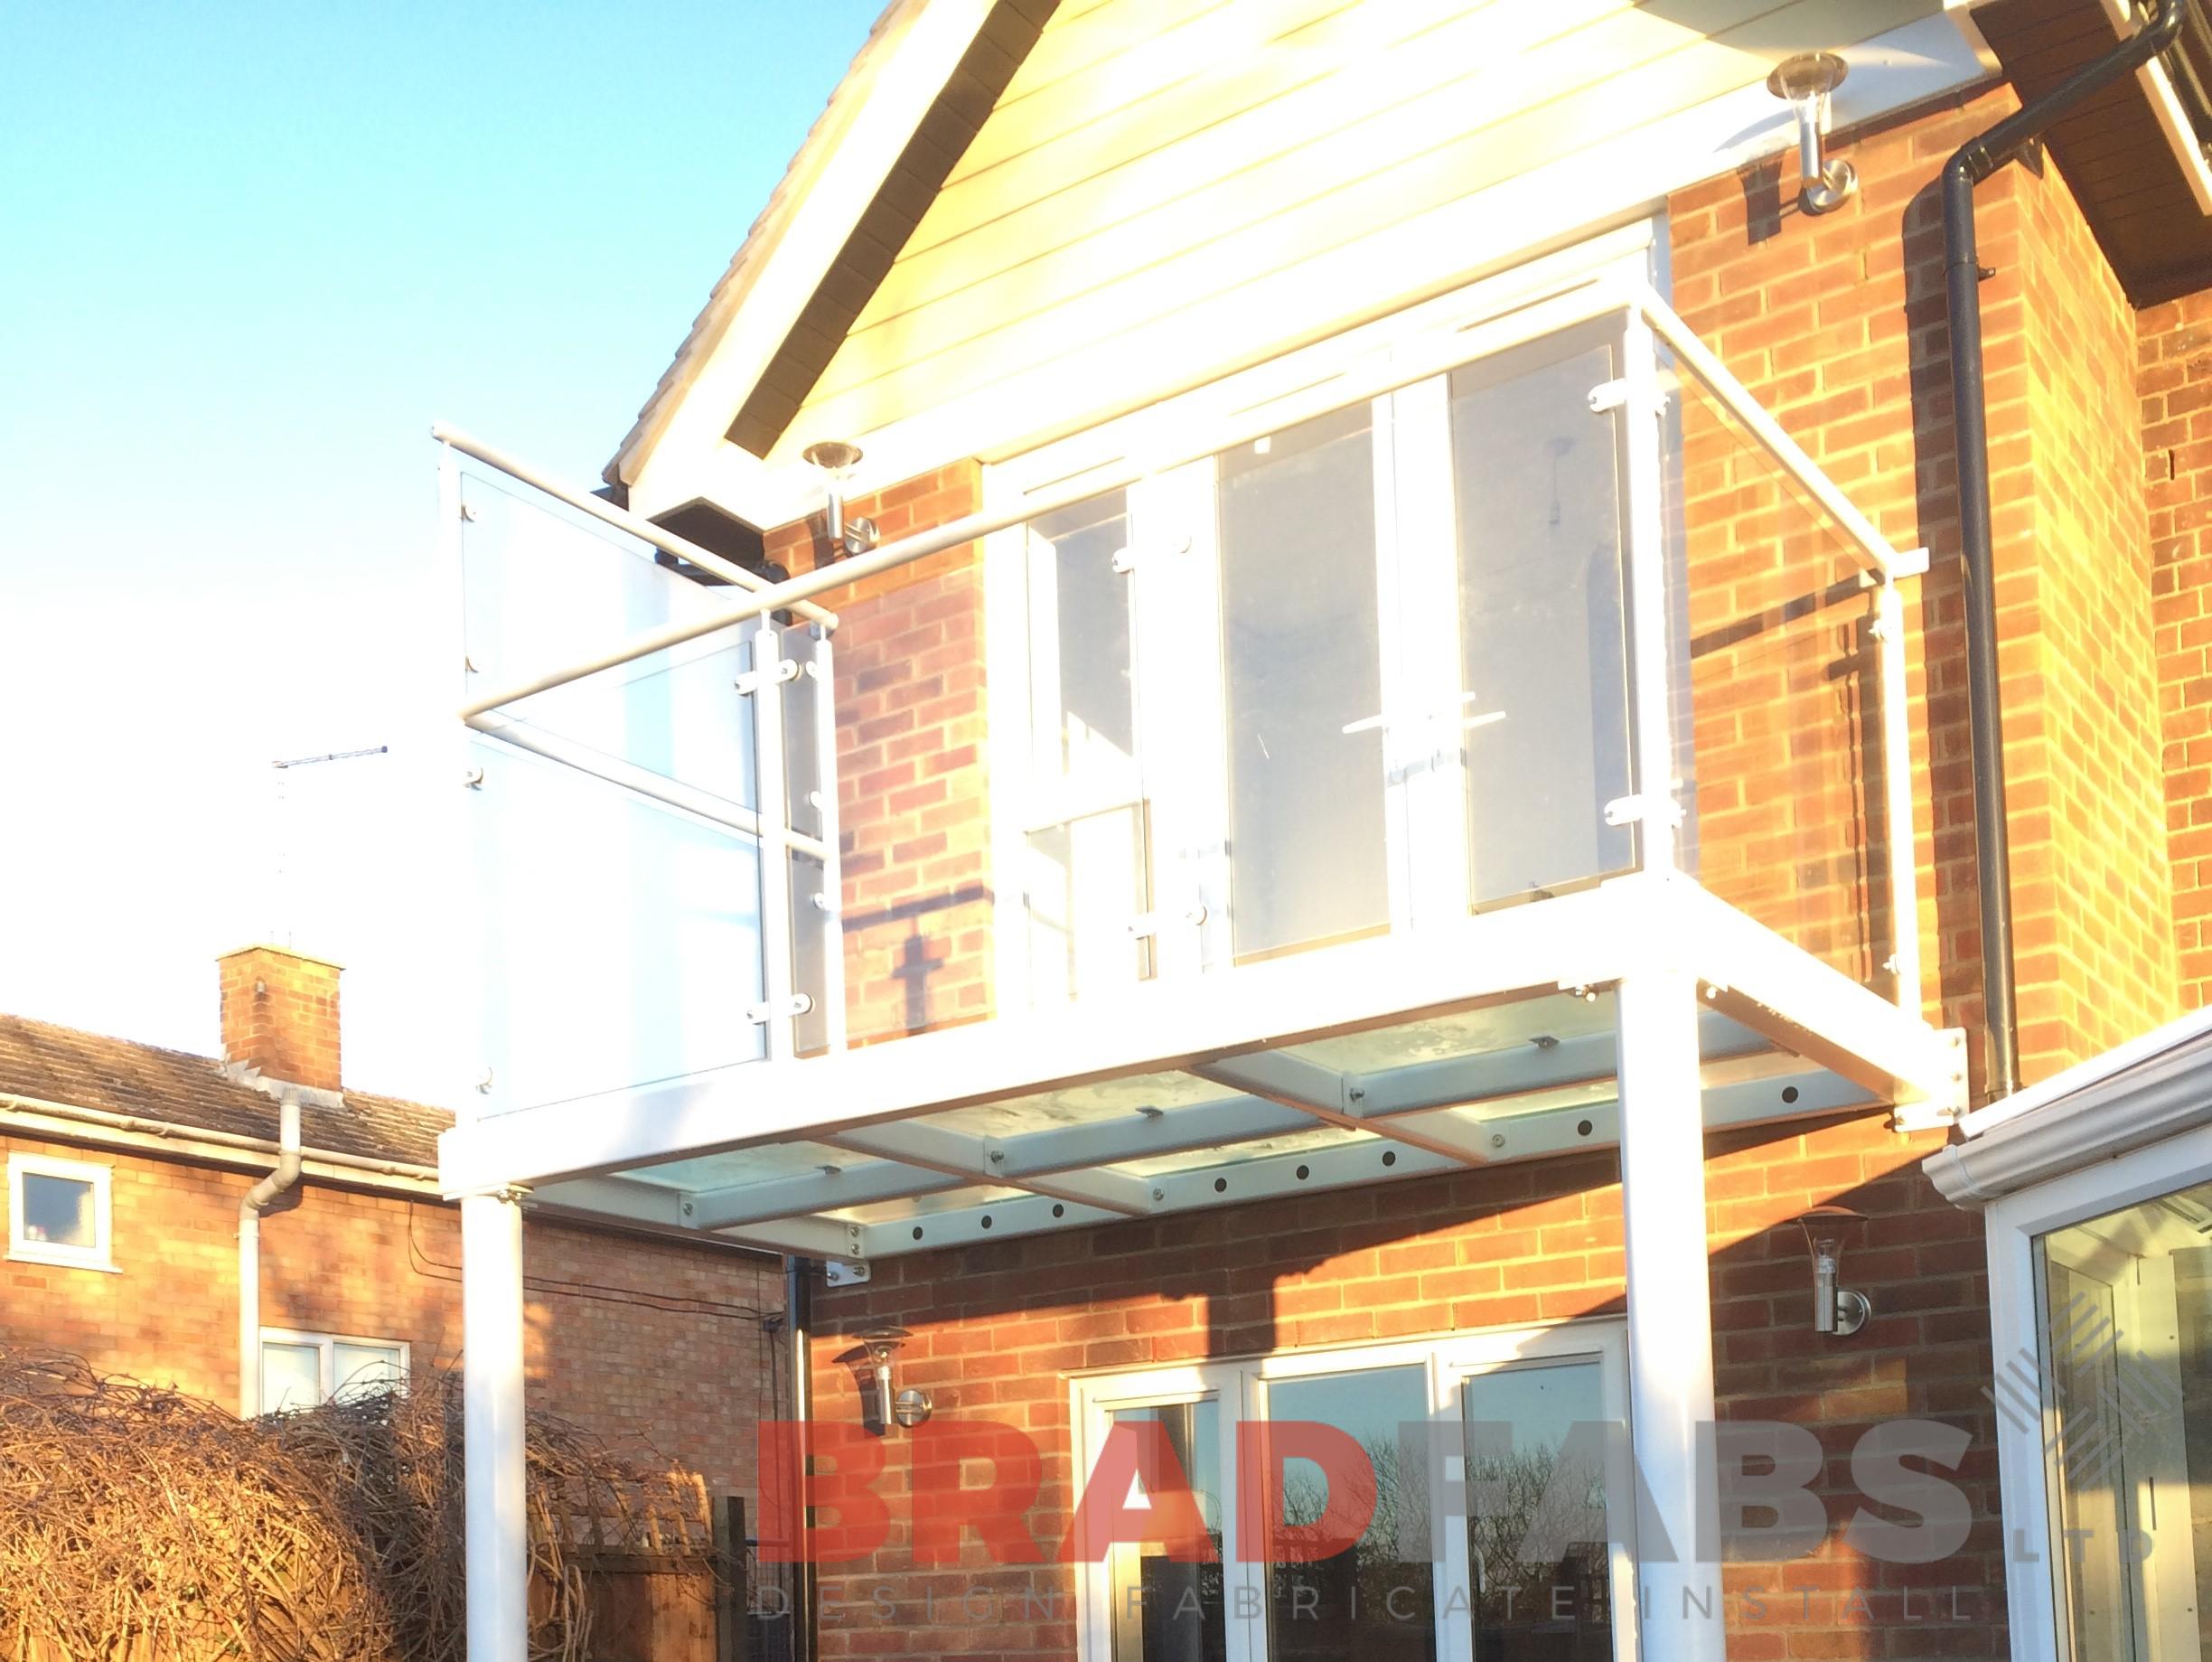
{"x":257,"y":1201}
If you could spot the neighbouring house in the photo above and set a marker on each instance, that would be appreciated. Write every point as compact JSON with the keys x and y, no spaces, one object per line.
{"x":1357,"y":712}
{"x":128,"y":1240}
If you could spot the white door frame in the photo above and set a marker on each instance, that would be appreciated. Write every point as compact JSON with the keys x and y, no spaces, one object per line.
{"x":2013,"y":1224}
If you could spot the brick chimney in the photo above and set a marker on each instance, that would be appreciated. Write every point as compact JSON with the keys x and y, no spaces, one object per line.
{"x":280,"y":1014}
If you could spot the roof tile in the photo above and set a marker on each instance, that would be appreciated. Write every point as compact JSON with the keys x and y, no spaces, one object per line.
{"x":86,"y":1070}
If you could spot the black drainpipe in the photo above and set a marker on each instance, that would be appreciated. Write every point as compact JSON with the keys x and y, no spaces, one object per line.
{"x":1977,"y":161}
{"x":798,"y":1328}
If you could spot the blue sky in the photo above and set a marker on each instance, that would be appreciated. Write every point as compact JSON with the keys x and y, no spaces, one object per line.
{"x":248,"y":253}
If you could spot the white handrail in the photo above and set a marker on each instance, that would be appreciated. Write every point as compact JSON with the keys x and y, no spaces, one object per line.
{"x":792,"y":591}
{"x":621,"y":519}
{"x":1767,"y":432}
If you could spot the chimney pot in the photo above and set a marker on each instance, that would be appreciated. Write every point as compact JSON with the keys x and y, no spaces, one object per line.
{"x":292,"y":1038}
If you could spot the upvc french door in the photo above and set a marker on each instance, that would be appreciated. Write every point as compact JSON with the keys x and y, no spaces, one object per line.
{"x":1525,"y":1581}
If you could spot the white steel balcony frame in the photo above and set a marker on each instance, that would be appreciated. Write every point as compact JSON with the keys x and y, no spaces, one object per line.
{"x":1718,"y":1021}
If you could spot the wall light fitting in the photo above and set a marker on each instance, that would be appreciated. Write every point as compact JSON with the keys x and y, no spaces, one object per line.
{"x":1806,"y":81}
{"x":871,"y":1358}
{"x":1837,"y":1310}
{"x":836,"y":460}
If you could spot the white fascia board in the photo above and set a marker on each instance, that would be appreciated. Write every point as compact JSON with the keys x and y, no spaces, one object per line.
{"x":692,"y":443}
{"x":1548,"y":206}
{"x":1574,"y":940}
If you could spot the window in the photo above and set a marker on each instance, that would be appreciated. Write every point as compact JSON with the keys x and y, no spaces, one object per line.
{"x":58,"y":1213}
{"x":1515,"y":1585}
{"x":2125,"y":1325}
{"x":1363,"y":664}
{"x":300,"y":1370}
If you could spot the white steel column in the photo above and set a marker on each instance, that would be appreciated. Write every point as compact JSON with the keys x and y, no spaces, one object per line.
{"x":497,"y":1528}
{"x":1670,"y":1316}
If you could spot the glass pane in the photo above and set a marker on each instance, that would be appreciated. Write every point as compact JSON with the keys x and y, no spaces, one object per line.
{"x":2127,"y":1374}
{"x":59,"y":1211}
{"x":1303,"y":685}
{"x":545,"y":588}
{"x":813,"y":929}
{"x":1084,"y":884}
{"x":1543,"y":711}
{"x":803,"y":701}
{"x":365,"y":1368}
{"x":1163,"y":1610}
{"x":1540,"y":1595}
{"x":1365,"y":1601}
{"x":291,"y":1376}
{"x":1083,"y":720}
{"x":621,"y":939}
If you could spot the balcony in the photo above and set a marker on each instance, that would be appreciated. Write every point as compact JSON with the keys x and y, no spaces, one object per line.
{"x":1466,"y":756}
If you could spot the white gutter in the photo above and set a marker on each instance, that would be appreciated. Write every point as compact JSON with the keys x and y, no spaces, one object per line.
{"x":135,"y":1134}
{"x":165,"y":1140}
{"x":2095,"y":1071}
{"x":2142,"y":1092}
{"x":258,"y":1199}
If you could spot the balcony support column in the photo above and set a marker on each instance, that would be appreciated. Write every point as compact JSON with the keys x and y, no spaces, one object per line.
{"x":1670,"y":1317}
{"x":495,"y":1534}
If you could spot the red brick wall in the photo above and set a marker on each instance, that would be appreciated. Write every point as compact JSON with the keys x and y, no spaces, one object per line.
{"x":913,"y":781}
{"x":2174,"y":383}
{"x":643,"y":1341}
{"x":1837,"y":324}
{"x":997,"y":1330}
{"x":280,"y":1015}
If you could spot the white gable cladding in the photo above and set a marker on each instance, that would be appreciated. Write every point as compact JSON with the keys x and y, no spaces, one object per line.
{"x":1169,"y":190}
{"x":1153,"y":155}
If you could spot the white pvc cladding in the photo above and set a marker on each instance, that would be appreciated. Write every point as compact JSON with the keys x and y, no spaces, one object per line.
{"x":1457,"y":1044}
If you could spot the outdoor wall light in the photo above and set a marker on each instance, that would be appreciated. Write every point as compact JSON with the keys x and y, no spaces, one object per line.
{"x":1837,"y":1310}
{"x":871,"y":1358}
{"x":1805,"y":82}
{"x":836,"y":460}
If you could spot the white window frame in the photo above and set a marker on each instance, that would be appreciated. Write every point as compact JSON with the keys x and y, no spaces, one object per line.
{"x":100,"y":1255}
{"x":2013,"y":1224}
{"x":1240,"y":1385}
{"x":327,"y":1365}
{"x":1179,"y":758}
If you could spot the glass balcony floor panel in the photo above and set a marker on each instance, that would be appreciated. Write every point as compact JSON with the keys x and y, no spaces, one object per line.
{"x":759,"y":1165}
{"x":1494,"y":1029}
{"x":1087,"y":1104}
{"x":927,"y":1206}
{"x":1259,"y":1148}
